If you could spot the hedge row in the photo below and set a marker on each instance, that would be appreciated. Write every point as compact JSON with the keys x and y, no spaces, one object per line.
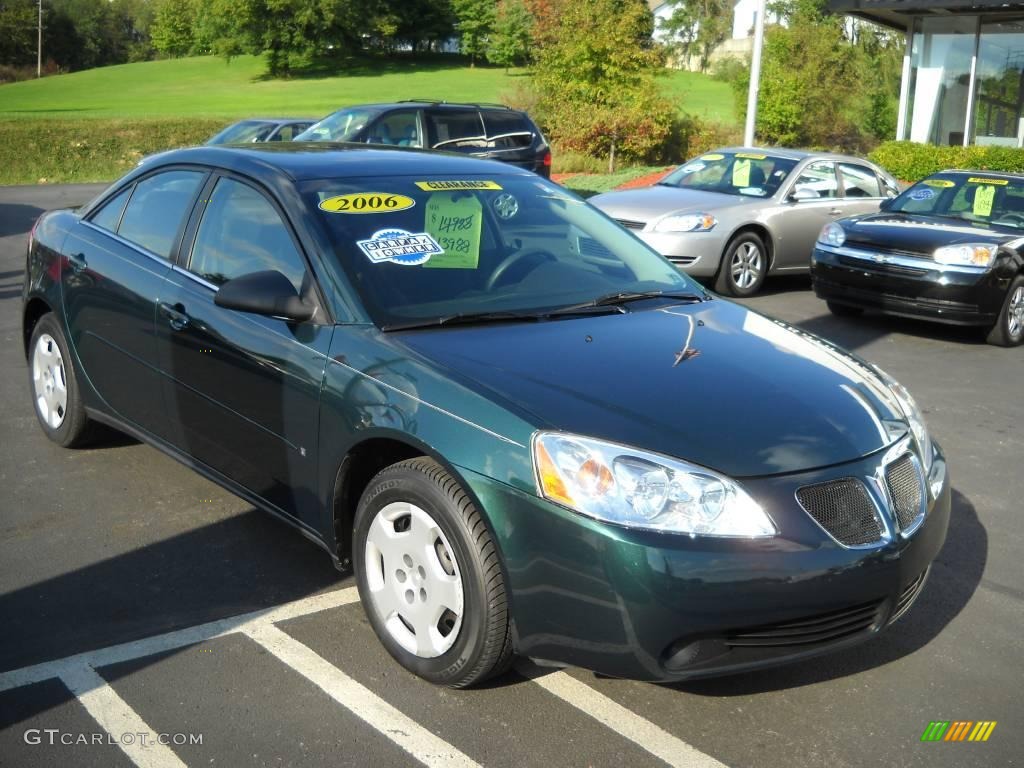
{"x":910,"y":161}
{"x":45,"y":150}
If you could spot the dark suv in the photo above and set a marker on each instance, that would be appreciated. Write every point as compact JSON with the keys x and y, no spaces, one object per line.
{"x":493,"y":131}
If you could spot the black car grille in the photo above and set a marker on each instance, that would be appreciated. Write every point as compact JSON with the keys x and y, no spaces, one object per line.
{"x":906,"y":489}
{"x":909,"y":594}
{"x":844,"y":509}
{"x":630,"y":224}
{"x":825,"y":627}
{"x":874,"y":266}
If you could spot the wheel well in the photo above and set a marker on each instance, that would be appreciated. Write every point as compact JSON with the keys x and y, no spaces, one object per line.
{"x":34,"y":310}
{"x":359,"y":467}
{"x":765,"y":236}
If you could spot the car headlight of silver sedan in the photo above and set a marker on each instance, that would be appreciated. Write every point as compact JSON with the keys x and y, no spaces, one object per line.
{"x":639,"y":489}
{"x":686,"y":222}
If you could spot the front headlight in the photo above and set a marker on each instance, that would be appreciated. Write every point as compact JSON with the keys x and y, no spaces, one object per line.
{"x":966,"y":255}
{"x":639,"y":489}
{"x":832,"y":234}
{"x":686,"y":222}
{"x":914,"y":418}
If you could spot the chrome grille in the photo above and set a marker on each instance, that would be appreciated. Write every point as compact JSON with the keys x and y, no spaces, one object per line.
{"x":906,"y":489}
{"x":844,"y":509}
{"x":825,"y":627}
{"x":630,"y":224}
{"x":909,"y":594}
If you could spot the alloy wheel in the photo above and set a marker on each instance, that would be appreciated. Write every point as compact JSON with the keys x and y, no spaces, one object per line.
{"x":1015,"y":313}
{"x":414,"y":580}
{"x":746,"y":265}
{"x":49,"y":383}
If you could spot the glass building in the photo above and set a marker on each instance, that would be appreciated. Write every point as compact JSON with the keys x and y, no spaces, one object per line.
{"x":963,"y":71}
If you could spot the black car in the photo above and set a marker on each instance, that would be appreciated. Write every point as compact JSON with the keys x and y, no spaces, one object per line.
{"x":525,"y":430}
{"x":491,"y":131}
{"x":949,"y":249}
{"x":262,"y":129}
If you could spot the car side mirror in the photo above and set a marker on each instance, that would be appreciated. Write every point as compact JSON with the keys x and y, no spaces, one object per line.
{"x":886,"y":204}
{"x":264,"y":293}
{"x":803,"y":194}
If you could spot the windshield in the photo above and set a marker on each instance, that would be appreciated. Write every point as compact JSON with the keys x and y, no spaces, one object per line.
{"x":972,"y":197}
{"x":733,"y":173}
{"x":343,"y":125}
{"x":422,"y":249}
{"x":244,"y":132}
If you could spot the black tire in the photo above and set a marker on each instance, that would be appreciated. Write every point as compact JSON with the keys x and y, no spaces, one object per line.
{"x":844,"y":310}
{"x":75,"y":429}
{"x":742,"y":247}
{"x":482,"y":647}
{"x":1003,"y":333}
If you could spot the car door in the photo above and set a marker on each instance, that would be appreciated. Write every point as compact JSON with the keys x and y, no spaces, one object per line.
{"x":812,"y":201}
{"x":117,"y":259}
{"x":862,"y":190}
{"x":243,"y":389}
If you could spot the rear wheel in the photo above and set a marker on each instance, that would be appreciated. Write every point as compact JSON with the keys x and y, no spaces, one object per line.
{"x":843,"y":310}
{"x":55,"y":393}
{"x":429,"y":576}
{"x":744,"y":266}
{"x":1009,"y":328}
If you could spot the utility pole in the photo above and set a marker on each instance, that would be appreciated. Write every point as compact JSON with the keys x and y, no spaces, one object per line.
{"x":39,"y":45}
{"x":755,"y":75}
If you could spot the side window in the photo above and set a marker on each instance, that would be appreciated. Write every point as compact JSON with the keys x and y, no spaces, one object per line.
{"x":454,"y":129}
{"x":241,"y":232}
{"x":398,"y":129}
{"x":859,"y":181}
{"x":157,"y":208}
{"x":289,"y":132}
{"x":506,"y":129}
{"x":819,"y":178}
{"x":109,"y":216}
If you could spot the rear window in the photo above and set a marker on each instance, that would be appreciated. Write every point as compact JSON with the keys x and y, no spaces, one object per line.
{"x":157,"y":208}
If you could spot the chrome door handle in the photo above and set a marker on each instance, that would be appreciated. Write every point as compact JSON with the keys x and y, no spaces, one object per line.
{"x":78,"y":262}
{"x":176,"y":317}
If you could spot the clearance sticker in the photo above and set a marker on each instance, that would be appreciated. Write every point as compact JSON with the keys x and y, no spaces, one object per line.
{"x":938,"y":183}
{"x":399,"y":247}
{"x":455,"y":186}
{"x":366,"y":202}
{"x":997,"y":182}
{"x":983,"y":199}
{"x":712,"y":157}
{"x":741,"y":173}
{"x":750,"y":156}
{"x":455,"y":221}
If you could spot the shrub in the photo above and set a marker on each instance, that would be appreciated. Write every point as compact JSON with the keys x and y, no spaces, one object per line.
{"x":910,"y":161}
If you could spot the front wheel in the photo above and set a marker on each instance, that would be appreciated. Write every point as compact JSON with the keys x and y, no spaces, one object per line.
{"x":1009,"y":328}
{"x":429,"y":576}
{"x":744,"y":266}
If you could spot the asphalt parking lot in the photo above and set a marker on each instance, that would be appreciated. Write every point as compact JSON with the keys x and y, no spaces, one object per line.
{"x":137,"y":599}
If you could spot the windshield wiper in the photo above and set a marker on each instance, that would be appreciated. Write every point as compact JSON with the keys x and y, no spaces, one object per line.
{"x":467,"y":318}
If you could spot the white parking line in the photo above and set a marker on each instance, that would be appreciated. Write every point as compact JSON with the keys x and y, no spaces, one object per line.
{"x":624,"y":722}
{"x":361,"y":701}
{"x":135,"y":738}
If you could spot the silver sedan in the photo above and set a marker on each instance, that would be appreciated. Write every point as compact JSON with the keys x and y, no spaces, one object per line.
{"x":739,"y":214}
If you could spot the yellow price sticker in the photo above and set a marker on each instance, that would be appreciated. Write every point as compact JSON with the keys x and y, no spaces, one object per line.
{"x":741,"y":173}
{"x":751,"y":156}
{"x":366,"y":202}
{"x":983,"y":199}
{"x":456,"y":186}
{"x":455,"y":222}
{"x":938,"y":183}
{"x":712,"y":157}
{"x":997,"y":182}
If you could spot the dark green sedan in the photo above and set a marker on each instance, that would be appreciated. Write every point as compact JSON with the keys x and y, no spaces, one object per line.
{"x":524,"y":430}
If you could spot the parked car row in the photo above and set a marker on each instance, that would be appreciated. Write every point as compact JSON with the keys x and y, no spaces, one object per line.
{"x":949,"y":249}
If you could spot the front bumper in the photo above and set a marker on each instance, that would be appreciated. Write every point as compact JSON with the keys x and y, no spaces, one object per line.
{"x":696,"y":253}
{"x":652,"y":606}
{"x":907,"y":287}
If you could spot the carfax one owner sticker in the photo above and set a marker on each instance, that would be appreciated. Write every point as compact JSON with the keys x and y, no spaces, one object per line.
{"x":399,"y":247}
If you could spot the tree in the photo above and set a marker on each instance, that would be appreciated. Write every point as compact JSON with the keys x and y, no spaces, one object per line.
{"x":475,"y":22}
{"x":18,"y":33}
{"x":697,"y":27}
{"x":510,"y":41}
{"x":173,"y":25}
{"x":595,"y":82}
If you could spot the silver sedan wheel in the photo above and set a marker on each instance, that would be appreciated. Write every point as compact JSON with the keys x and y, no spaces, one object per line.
{"x":414,"y":580}
{"x":746,"y":265}
{"x":1015,"y":313}
{"x":49,"y":384}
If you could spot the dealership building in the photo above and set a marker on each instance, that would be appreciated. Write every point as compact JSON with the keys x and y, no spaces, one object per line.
{"x":963,"y":71}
